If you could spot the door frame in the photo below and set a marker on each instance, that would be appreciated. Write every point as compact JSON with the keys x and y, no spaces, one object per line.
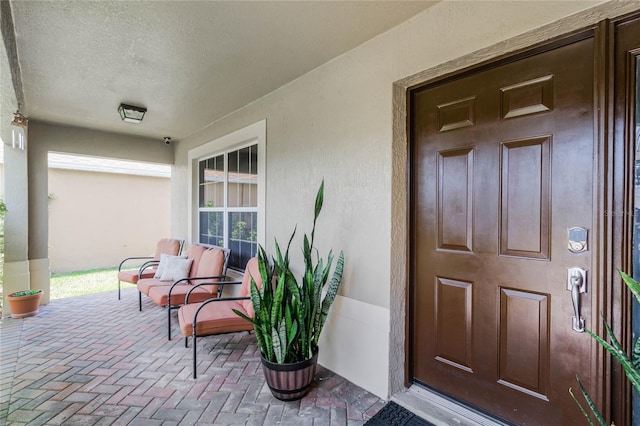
{"x":610,"y":254}
{"x":623,"y":110}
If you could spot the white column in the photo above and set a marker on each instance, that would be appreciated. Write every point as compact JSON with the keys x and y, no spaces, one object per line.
{"x":16,"y":221}
{"x":40,"y":274}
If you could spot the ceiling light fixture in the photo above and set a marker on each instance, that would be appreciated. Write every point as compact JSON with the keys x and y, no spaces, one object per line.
{"x":19,"y":123}
{"x":131,"y":114}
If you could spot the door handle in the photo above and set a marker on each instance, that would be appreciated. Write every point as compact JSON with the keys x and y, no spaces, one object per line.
{"x":577,"y":284}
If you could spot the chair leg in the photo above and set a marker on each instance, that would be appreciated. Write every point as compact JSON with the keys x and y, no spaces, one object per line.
{"x":169,"y":323}
{"x":186,"y":342}
{"x":194,"y":355}
{"x":140,"y":301}
{"x":118,"y":289}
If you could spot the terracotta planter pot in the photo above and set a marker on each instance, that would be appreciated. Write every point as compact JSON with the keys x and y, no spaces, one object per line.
{"x":24,"y":306}
{"x":290,"y":382}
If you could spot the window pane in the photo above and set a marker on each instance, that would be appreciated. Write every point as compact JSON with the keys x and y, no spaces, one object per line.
{"x":243,"y":232}
{"x":212,"y":228}
{"x":212,"y":182}
{"x":243,"y":177}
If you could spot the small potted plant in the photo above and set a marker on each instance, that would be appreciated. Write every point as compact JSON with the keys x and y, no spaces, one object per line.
{"x":289,"y":316}
{"x":24,"y":303}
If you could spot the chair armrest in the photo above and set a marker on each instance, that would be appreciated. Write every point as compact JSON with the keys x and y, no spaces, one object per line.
{"x":218,"y":283}
{"x":206,"y":302}
{"x":133,"y":258}
{"x":171,"y":288}
{"x":197,"y":285}
{"x":147,"y":265}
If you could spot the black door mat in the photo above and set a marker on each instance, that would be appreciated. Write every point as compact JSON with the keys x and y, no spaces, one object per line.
{"x":394,"y":415}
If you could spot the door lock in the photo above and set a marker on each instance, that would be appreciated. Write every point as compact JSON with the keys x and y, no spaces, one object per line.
{"x":577,"y":284}
{"x":578,"y":239}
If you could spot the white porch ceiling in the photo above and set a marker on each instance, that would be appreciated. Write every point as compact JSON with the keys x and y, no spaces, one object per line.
{"x":188,"y":62}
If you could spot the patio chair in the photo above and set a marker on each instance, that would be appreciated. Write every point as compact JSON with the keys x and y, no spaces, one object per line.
{"x":200,"y":259}
{"x":216,"y":316}
{"x":168,"y":246}
{"x":207,"y":282}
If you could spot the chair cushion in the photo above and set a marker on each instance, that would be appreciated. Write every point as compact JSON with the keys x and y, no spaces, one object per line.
{"x":168,"y":246}
{"x":176,"y":269}
{"x":251,"y":271}
{"x":211,"y":264}
{"x":195,"y":252}
{"x":164,"y":260}
{"x":160,"y":294}
{"x":146,"y":284}
{"x":214,"y":318}
{"x":131,"y":276}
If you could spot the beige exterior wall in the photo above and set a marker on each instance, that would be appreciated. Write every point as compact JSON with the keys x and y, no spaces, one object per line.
{"x":97,"y":219}
{"x":336,"y":122}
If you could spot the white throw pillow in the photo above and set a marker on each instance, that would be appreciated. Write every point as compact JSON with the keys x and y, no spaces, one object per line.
{"x":176,"y":269}
{"x":164,"y":258}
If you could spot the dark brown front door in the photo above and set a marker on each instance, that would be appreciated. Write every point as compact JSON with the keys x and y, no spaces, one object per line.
{"x":502,"y":166}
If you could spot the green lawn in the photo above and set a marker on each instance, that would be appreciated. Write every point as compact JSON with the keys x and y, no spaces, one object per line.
{"x":84,"y":282}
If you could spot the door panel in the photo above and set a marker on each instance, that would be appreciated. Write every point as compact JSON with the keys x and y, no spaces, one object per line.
{"x":524,"y":340}
{"x":455,"y":200}
{"x":502,"y":165}
{"x":524,"y":205}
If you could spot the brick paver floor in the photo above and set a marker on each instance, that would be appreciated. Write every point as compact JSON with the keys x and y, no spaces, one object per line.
{"x":94,"y":360}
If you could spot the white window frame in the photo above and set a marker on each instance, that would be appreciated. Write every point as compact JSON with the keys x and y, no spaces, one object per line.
{"x":254,"y":134}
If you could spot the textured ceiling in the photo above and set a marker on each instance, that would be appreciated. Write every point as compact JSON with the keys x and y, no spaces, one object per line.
{"x":188,"y":62}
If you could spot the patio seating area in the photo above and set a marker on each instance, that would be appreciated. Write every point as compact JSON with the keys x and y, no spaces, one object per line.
{"x":97,"y":360}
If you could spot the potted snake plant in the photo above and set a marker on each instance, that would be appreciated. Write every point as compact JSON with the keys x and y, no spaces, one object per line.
{"x":289,"y":316}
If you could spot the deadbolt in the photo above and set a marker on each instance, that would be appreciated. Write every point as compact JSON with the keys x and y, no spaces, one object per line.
{"x":578,"y":239}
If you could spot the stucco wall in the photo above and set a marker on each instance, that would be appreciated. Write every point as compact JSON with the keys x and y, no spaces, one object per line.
{"x":336,"y":122}
{"x":47,"y":137}
{"x":97,"y":219}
